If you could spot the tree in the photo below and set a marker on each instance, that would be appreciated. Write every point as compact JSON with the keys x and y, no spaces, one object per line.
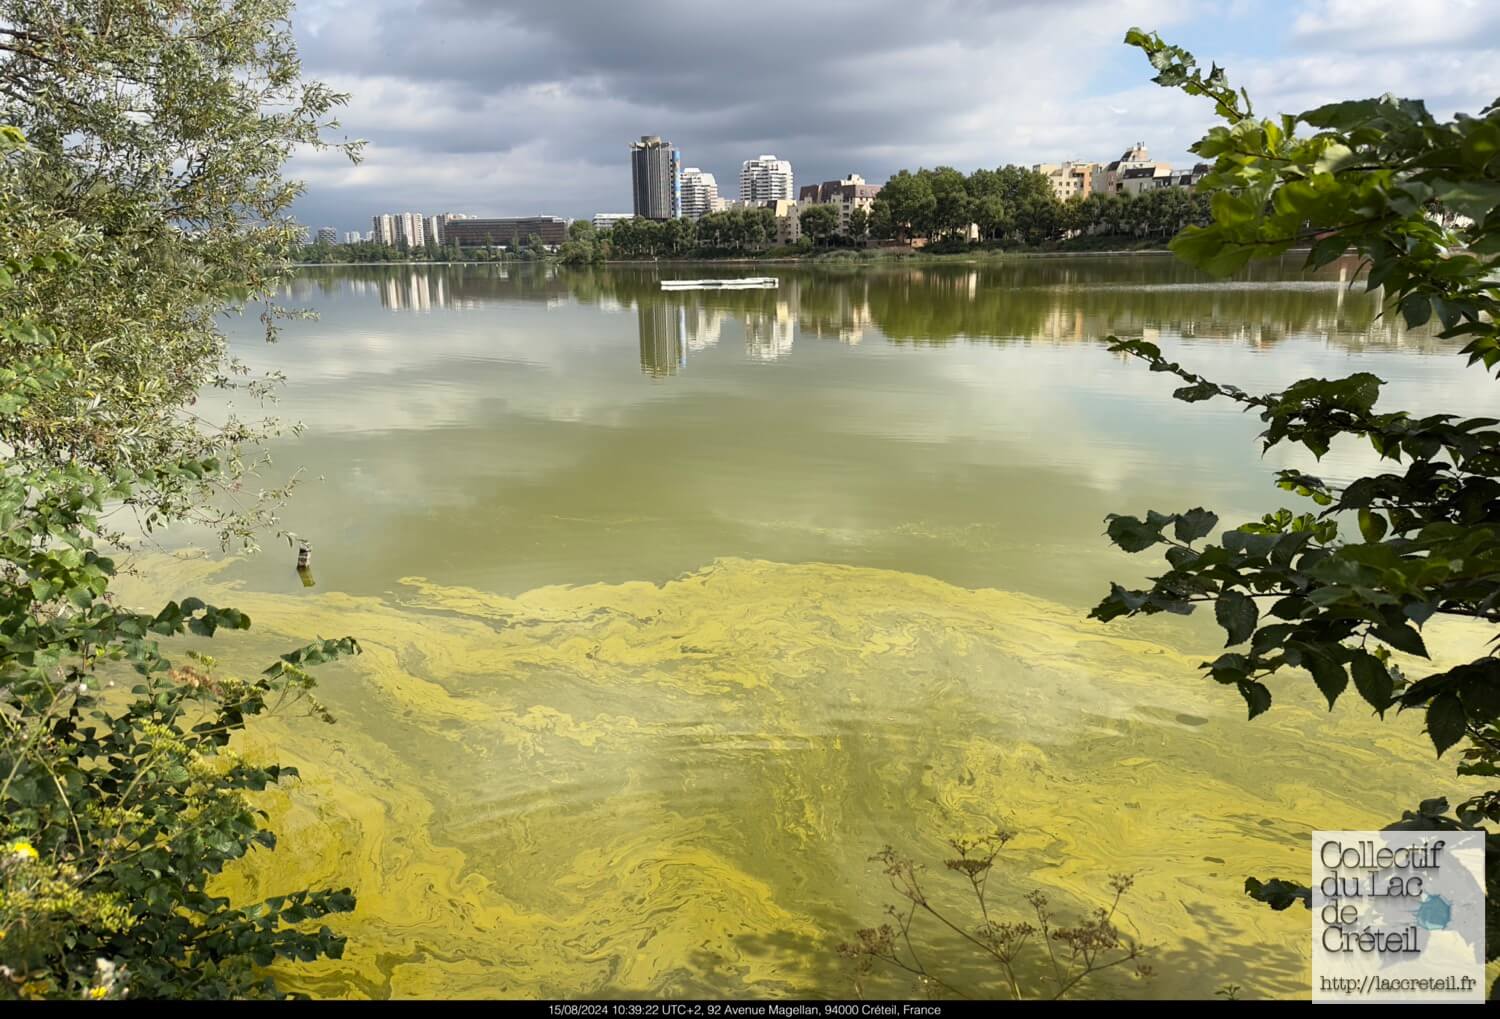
{"x":156,"y":141}
{"x":906,"y":204}
{"x":859,"y":223}
{"x":819,"y":222}
{"x":990,"y":214}
{"x":952,"y":210}
{"x":1419,"y":201}
{"x":680,"y":235}
{"x":140,"y":193}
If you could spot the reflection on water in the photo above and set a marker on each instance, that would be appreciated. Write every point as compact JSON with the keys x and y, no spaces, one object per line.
{"x":679,"y":605}
{"x":1032,"y":300}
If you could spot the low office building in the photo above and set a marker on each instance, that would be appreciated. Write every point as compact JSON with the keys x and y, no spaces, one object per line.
{"x":508,"y":232}
{"x":605,"y":220}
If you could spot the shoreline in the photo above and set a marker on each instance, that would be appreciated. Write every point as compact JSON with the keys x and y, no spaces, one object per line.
{"x":814,"y":261}
{"x":965,"y":258}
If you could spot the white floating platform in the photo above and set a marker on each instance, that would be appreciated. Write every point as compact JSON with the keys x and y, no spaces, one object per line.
{"x":743,"y":283}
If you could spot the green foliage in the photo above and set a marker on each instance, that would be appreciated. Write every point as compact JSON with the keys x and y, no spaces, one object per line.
{"x":1419,"y":201}
{"x":140,"y":193}
{"x":157,"y":135}
{"x":1016,"y":206}
{"x":819,"y":222}
{"x":115,"y":812}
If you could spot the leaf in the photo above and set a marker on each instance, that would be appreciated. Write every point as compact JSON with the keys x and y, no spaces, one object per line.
{"x":1257,"y":695}
{"x":1237,"y":614}
{"x":1194,"y":524}
{"x":1371,"y":525}
{"x":1196,"y":393}
{"x":1278,"y":894}
{"x":1401,"y":637}
{"x":1131,"y":534}
{"x":1445,"y":721}
{"x":1372,"y":680}
{"x":1334,"y":158}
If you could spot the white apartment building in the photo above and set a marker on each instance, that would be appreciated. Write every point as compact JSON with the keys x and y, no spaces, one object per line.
{"x":384,"y":229}
{"x":409,"y":230}
{"x":605,"y":220}
{"x":766,"y":179}
{"x":352,"y":237}
{"x":697,"y":193}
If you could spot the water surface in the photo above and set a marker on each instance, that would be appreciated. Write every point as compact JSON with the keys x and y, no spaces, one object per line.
{"x":679,"y":606}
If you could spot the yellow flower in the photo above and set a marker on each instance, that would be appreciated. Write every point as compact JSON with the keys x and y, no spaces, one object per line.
{"x":20,"y":847}
{"x":98,"y":992}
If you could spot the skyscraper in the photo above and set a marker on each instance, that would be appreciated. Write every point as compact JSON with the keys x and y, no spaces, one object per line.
{"x":766,"y":179}
{"x":384,"y":231}
{"x":654,"y":166}
{"x":698,"y":193}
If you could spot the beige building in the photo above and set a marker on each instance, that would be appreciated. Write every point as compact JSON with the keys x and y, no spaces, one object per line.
{"x":846,"y":195}
{"x":1132,"y":173}
{"x":1070,"y":179}
{"x":788,"y":220}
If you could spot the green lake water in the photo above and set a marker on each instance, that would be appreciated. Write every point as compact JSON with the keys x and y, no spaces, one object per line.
{"x":676,"y":607}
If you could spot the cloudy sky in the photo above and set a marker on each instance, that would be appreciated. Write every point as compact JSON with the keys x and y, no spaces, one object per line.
{"x":519,"y":107}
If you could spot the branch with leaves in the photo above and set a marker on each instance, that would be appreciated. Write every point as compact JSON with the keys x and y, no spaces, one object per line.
{"x":1418,"y":201}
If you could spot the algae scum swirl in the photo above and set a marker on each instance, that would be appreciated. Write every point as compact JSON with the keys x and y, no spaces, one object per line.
{"x":724,"y":592}
{"x":640,"y":789}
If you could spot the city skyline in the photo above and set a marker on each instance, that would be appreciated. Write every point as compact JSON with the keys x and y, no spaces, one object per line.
{"x":518,"y":108}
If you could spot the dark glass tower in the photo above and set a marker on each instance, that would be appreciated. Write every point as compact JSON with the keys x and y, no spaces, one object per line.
{"x":654,"y":168}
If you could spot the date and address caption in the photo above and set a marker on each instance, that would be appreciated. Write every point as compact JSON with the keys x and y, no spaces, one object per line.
{"x":644,"y":1010}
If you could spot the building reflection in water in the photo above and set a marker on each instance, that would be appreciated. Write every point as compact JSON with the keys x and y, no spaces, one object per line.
{"x":663,"y":345}
{"x":769,"y":335}
{"x":415,"y":290}
{"x":672,"y":326}
{"x":1029,"y":302}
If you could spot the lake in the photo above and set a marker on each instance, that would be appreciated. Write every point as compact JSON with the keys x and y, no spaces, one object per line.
{"x":678,"y":607}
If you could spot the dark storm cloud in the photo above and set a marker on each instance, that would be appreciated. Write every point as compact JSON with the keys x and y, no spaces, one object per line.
{"x":529,"y":106}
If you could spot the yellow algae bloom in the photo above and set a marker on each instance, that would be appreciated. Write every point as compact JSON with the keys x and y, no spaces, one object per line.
{"x":675,"y":789}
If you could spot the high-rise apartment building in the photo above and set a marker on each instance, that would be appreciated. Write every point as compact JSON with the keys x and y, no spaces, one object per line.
{"x":327,"y":235}
{"x":766,"y":179}
{"x":352,"y":237}
{"x":384,"y":229}
{"x":698,"y":193}
{"x":409,"y":230}
{"x":654,"y":169}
